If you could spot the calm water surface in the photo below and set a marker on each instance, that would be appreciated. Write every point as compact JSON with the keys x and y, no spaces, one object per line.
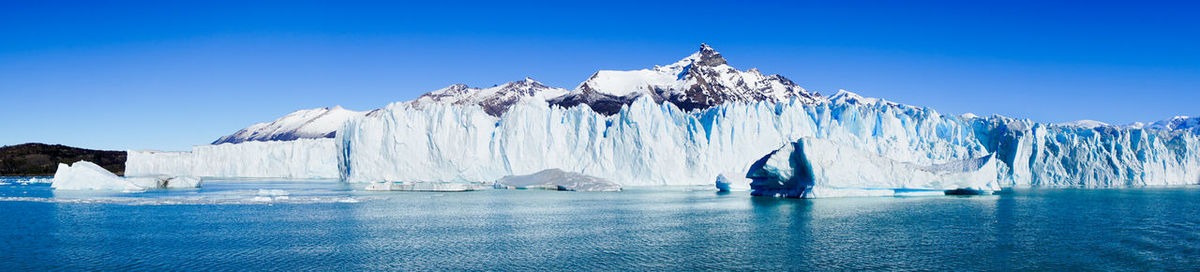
{"x":320,"y":225}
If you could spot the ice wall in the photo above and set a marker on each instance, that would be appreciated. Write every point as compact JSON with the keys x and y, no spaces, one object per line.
{"x":658,"y":144}
{"x":302,"y":158}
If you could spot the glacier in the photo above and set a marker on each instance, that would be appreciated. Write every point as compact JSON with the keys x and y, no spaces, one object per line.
{"x":651,"y":144}
{"x":694,"y":122}
{"x":296,"y":159}
{"x":648,"y":143}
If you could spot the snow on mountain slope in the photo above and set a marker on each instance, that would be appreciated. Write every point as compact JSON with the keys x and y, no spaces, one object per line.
{"x":303,"y":124}
{"x":1183,"y":123}
{"x":495,"y":100}
{"x":699,"y":81}
{"x":1085,"y":124}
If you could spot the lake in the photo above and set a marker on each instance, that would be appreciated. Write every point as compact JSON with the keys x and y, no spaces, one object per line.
{"x":326,"y":225}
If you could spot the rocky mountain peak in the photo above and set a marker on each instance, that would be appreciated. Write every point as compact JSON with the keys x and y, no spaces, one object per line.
{"x":709,"y":57}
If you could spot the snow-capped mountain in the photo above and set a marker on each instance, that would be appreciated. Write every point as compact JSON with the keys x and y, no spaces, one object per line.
{"x":844,"y":96}
{"x":303,"y":124}
{"x":1178,"y":123}
{"x":1089,"y":124}
{"x":701,"y":80}
{"x":495,"y":100}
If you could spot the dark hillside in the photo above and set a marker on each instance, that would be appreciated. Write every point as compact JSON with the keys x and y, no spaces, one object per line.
{"x":34,"y":159}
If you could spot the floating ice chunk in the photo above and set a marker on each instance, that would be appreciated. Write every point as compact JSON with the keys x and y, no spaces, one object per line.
{"x":722,"y":183}
{"x":85,"y":175}
{"x":814,"y":168}
{"x":38,"y":180}
{"x":422,"y":186}
{"x":557,"y":179}
{"x":273,"y":192}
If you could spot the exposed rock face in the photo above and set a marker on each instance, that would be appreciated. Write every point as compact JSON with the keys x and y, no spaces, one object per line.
{"x":495,"y":100}
{"x":699,"y":81}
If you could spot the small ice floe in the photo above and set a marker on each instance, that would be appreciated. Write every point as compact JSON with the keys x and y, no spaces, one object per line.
{"x":723,"y":183}
{"x":557,"y":179}
{"x":423,"y":186}
{"x":265,"y":195}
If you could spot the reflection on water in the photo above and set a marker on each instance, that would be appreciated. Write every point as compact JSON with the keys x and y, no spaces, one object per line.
{"x":327,"y":225}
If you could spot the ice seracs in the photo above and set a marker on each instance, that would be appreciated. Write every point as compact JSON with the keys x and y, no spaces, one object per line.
{"x":295,"y":159}
{"x":303,"y":124}
{"x":813,"y":168}
{"x":649,"y":143}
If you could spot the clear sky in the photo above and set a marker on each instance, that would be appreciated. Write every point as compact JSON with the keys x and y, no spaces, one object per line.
{"x":168,"y":75}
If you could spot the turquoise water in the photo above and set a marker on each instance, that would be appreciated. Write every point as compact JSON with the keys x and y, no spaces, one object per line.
{"x":320,"y":225}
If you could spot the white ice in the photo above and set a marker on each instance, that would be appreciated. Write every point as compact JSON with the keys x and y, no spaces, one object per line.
{"x":812,"y":168}
{"x":84,"y":175}
{"x":557,"y":179}
{"x":298,"y":159}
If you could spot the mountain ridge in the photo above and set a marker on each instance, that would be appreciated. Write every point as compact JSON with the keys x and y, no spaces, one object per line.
{"x":701,"y":80}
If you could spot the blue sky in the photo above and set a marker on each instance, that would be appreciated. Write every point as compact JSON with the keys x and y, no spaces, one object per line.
{"x":168,"y":75}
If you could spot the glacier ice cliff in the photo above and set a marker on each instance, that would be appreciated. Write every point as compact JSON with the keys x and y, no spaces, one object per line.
{"x":647,"y":143}
{"x":300,"y":159}
{"x":685,"y":123}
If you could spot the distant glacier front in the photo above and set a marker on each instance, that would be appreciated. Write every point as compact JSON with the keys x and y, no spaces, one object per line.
{"x":649,"y":144}
{"x":658,"y":144}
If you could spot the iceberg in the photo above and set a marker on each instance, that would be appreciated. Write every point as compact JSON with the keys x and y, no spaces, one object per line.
{"x":813,"y":168}
{"x":557,"y":179}
{"x":723,"y":184}
{"x":85,"y":175}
